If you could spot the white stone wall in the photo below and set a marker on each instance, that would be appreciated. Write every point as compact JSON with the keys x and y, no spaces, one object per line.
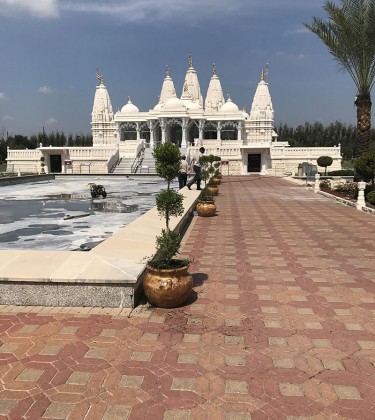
{"x":287,"y":159}
{"x":25,"y":161}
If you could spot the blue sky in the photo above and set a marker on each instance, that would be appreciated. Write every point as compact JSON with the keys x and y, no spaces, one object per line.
{"x":50,"y":49}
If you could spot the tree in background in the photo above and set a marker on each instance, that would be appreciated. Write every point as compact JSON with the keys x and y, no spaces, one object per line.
{"x":365,"y":167}
{"x":324,"y":161}
{"x":53,"y":139}
{"x":349,"y":35}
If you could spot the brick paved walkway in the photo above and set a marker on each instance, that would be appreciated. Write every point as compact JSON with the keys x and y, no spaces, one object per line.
{"x":280,"y":326}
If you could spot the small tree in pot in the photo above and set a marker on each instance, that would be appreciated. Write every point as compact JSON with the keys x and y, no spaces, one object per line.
{"x":324,"y":161}
{"x":167,"y":283}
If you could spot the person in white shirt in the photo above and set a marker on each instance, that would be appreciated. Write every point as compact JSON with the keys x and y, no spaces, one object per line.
{"x":197,"y":170}
{"x":184,"y":169}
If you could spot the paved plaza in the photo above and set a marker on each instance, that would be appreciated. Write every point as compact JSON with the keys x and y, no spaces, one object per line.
{"x":280,"y":325}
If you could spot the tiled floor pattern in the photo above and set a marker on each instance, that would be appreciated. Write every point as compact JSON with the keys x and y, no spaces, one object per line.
{"x":281,"y":325}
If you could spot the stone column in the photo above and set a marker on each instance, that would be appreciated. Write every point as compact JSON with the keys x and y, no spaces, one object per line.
{"x":138,"y":128}
{"x":201,"y":128}
{"x":184,"y":125}
{"x":239,"y":131}
{"x":218,"y":137}
{"x":151,"y":127}
{"x":317,"y":183}
{"x":361,"y":195}
{"x":163,"y":126}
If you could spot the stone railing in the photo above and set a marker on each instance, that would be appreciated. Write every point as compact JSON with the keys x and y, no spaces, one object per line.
{"x":128,"y":148}
{"x":305,"y":152}
{"x":23,"y":160}
{"x":92,"y":153}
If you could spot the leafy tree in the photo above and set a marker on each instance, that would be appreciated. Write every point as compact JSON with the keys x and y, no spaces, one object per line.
{"x":324,"y":161}
{"x":349,"y":35}
{"x":168,"y":203}
{"x":18,"y":142}
{"x":365,"y":167}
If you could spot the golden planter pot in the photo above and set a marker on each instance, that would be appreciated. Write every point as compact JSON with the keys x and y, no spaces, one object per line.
{"x":213,"y":189}
{"x":167,"y":288}
{"x":217,"y":181}
{"x":206,"y":208}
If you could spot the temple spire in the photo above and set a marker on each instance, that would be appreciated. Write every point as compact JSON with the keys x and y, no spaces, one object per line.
{"x":190,"y":61}
{"x":214,"y":98}
{"x":99,"y":76}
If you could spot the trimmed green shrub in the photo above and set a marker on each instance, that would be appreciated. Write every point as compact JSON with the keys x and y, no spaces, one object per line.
{"x":371,"y":197}
{"x":341,"y":172}
{"x":324,"y":161}
{"x":365,"y":167}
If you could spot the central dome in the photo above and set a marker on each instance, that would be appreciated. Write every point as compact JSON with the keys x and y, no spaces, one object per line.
{"x":174,"y":104}
{"x":229,"y":106}
{"x":129,"y":108}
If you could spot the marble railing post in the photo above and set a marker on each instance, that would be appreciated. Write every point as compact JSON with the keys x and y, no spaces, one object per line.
{"x":317,"y":183}
{"x":361,"y":195}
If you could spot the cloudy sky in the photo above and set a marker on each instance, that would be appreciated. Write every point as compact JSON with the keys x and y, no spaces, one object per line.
{"x":49,"y":51}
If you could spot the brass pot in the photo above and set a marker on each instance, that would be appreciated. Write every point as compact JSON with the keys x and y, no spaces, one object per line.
{"x":217,"y":181}
{"x":206,"y":208}
{"x":167,"y":288}
{"x":213,"y":189}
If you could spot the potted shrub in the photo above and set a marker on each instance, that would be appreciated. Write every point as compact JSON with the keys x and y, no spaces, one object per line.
{"x":167,"y":283}
{"x":208,"y":172}
{"x":206,"y":204}
{"x":212,"y":187}
{"x":42,"y":165}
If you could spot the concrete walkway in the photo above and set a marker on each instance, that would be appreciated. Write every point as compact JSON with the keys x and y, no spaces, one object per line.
{"x":281,"y":325}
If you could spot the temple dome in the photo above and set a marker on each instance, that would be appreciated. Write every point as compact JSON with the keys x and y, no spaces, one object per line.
{"x":192,"y":105}
{"x":229,"y":106}
{"x":129,"y":108}
{"x":174,"y":104}
{"x":158,"y":106}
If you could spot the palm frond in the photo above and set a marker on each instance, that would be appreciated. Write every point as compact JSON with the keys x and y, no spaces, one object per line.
{"x":349,"y":35}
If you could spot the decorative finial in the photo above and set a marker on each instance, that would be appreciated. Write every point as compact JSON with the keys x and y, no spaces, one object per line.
{"x":99,"y":76}
{"x":262,"y":76}
{"x":168,"y":73}
{"x":129,"y":99}
{"x":214,"y":69}
{"x":228,"y":97}
{"x":190,"y":61}
{"x":266,"y":72}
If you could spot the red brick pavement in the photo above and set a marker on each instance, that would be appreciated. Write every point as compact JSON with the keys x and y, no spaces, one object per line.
{"x":280,"y":325}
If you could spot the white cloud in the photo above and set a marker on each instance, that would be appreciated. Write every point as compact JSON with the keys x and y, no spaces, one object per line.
{"x":37,"y":8}
{"x":148,"y":10}
{"x":45,"y":89}
{"x":290,"y":56}
{"x":301,"y":30}
{"x":7,"y":118}
{"x":51,"y":121}
{"x":3,"y":97}
{"x":193,"y":10}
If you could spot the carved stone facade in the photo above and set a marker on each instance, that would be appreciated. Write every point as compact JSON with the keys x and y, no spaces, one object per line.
{"x":246,"y":140}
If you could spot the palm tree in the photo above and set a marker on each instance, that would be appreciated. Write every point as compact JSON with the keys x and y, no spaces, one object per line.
{"x":349,"y":35}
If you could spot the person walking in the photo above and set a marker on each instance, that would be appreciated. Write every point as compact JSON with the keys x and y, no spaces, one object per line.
{"x":197,"y":170}
{"x":184,"y":169}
